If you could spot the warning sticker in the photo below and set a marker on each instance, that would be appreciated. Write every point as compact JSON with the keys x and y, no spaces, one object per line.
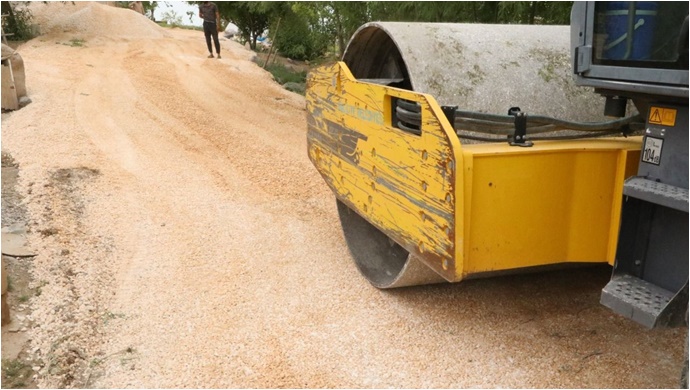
{"x":662,"y":116}
{"x":652,"y":150}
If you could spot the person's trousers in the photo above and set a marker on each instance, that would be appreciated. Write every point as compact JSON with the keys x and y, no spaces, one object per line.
{"x":210,"y":30}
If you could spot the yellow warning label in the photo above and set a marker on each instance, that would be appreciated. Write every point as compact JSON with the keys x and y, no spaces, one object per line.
{"x":662,"y":116}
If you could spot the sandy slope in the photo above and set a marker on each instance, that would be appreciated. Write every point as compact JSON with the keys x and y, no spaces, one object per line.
{"x":185,"y":240}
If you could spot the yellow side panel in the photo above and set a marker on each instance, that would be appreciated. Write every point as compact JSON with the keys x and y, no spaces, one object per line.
{"x":555,"y":202}
{"x":470,"y":210}
{"x":400,"y":182}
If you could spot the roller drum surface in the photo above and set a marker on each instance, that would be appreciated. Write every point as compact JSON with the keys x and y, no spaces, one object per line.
{"x":381,"y":261}
{"x":483,"y":68}
{"x":477,"y":67}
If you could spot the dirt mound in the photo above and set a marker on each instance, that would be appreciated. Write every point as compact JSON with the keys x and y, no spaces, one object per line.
{"x":91,"y":19}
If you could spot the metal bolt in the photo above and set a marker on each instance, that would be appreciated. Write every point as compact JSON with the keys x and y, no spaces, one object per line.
{"x":638,"y":263}
{"x":649,"y":131}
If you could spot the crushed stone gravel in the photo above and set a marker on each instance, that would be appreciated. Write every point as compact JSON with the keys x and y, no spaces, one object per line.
{"x":185,"y":240}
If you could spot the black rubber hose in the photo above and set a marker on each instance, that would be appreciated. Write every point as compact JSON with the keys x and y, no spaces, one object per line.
{"x":405,"y":127}
{"x":408,"y":116}
{"x":410,"y":120}
{"x":538,"y":119}
{"x":409,"y":106}
{"x":539,"y":138}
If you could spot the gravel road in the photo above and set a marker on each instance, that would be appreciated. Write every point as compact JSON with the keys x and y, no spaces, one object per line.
{"x":185,"y":240}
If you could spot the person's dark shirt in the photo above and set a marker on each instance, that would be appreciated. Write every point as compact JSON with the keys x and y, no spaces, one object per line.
{"x":208,"y":12}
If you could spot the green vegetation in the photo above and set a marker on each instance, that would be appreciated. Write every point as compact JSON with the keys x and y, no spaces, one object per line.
{"x":284,"y":75}
{"x":75,"y":42}
{"x":172,"y":19}
{"x":309,"y":30}
{"x":181,"y":26}
{"x":39,"y":288}
{"x":17,"y":22}
{"x":290,"y":78}
{"x":15,"y":374}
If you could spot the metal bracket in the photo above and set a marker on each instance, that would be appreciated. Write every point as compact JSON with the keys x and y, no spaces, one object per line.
{"x":520,"y":136}
{"x":449,"y":111}
{"x":583,"y":59}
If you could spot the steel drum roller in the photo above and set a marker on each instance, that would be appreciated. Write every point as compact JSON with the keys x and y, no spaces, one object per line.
{"x":484,"y":68}
{"x":477,"y":67}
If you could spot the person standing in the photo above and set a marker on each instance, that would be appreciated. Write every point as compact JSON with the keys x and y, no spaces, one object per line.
{"x":209,"y":13}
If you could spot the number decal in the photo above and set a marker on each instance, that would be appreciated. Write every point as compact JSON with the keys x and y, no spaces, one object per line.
{"x":651,"y":153}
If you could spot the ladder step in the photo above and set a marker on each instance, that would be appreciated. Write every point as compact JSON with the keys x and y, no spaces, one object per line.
{"x":657,"y":193}
{"x":636,"y":299}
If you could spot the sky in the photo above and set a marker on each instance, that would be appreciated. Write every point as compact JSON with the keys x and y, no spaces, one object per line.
{"x":180,"y":8}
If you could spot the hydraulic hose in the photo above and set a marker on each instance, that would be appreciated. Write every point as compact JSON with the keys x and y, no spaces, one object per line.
{"x":410,"y":119}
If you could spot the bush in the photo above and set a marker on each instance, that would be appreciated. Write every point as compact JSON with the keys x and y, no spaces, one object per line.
{"x":171,"y":18}
{"x":18,"y":23}
{"x":297,"y":41}
{"x":284,"y":75}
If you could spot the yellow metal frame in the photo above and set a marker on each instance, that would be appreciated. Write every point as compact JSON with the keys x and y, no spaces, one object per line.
{"x":464,"y":210}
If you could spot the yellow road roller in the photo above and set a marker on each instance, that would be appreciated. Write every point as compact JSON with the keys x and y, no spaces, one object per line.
{"x":463,"y":151}
{"x":460,"y":151}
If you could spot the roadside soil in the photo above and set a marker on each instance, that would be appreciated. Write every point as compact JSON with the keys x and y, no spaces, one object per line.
{"x":17,"y":365}
{"x":183,"y":239}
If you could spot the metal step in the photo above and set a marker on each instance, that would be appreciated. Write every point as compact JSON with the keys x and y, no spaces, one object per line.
{"x":636,"y":299}
{"x":657,"y":193}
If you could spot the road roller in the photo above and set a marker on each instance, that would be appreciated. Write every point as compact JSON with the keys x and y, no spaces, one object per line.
{"x":460,"y":151}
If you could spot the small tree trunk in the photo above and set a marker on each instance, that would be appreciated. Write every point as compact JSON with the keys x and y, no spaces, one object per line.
{"x":341,"y":37}
{"x":533,"y":12}
{"x":6,"y":9}
{"x":273,"y":43}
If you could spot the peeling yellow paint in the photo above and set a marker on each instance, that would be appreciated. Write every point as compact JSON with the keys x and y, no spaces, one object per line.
{"x":464,"y":210}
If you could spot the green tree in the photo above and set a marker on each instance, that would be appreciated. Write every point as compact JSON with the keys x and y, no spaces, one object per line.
{"x":306,"y":30}
{"x":526,"y":12}
{"x":251,"y":18}
{"x":18,"y":20}
{"x":149,"y":7}
{"x":348,"y":16}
